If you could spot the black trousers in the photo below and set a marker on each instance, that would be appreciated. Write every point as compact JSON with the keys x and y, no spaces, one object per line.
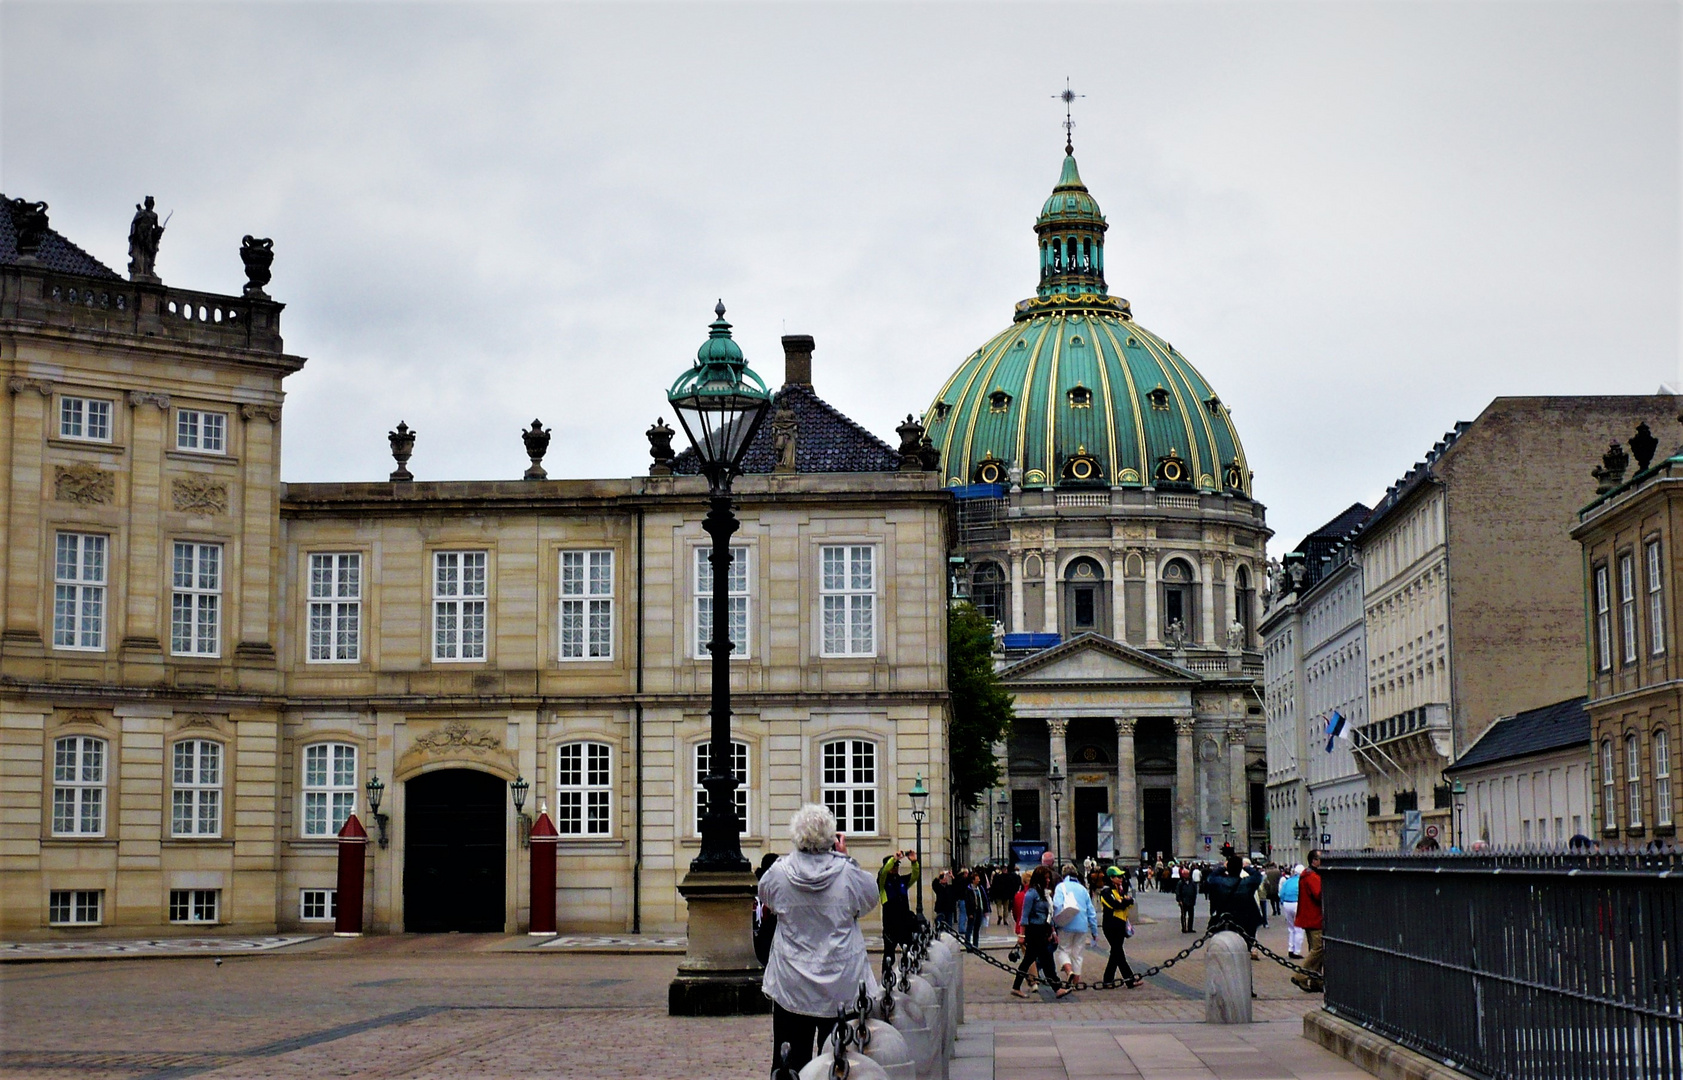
{"x":1116,"y":934}
{"x":1037,"y":950}
{"x":802,"y":1033}
{"x":1186,"y":911}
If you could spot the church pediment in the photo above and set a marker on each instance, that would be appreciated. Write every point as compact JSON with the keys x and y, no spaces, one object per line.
{"x":1094,"y":659}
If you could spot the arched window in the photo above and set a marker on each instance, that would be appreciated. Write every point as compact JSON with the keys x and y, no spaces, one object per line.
{"x":1084,"y":582}
{"x":1244,"y":600}
{"x":849,"y":784}
{"x":1633,"y":779}
{"x":584,"y":789}
{"x":1178,"y":596}
{"x":739,"y":768}
{"x":79,"y":786}
{"x":196,"y":795}
{"x":1662,"y":777}
{"x":987,"y":590}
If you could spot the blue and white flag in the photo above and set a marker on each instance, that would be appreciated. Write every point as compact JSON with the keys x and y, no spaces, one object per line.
{"x":1337,"y":728}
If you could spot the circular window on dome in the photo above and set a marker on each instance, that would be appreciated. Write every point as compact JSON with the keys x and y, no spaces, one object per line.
{"x":1022,"y":343}
{"x":1082,"y":468}
{"x":990,"y":471}
{"x":1172,"y":470}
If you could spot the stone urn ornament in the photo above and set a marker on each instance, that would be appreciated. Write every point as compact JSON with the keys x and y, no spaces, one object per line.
{"x":911,"y":443}
{"x":536,"y":439}
{"x":660,"y":448}
{"x":258,"y":256}
{"x":403,"y":446}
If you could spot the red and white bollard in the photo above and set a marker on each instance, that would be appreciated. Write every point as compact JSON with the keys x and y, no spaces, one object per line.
{"x":543,"y":841}
{"x":353,"y":853}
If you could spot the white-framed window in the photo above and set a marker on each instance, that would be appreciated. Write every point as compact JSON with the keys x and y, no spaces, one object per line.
{"x":1656,"y":599}
{"x":79,"y":786}
{"x":196,"y":791}
{"x":848,"y":591}
{"x":587,"y":605}
{"x":88,"y":419}
{"x":1662,"y":776}
{"x":335,"y":608}
{"x":1627,"y":607}
{"x":1603,"y":623}
{"x":458,"y":605}
{"x":1609,"y":804}
{"x":79,"y":591}
{"x":736,"y":614}
{"x":196,"y":600}
{"x":201,"y":432}
{"x":74,"y":907}
{"x":849,"y":771}
{"x":194,"y":905}
{"x":584,"y":789}
{"x":318,"y":905}
{"x":329,"y":787}
{"x":1633,"y":779}
{"x":739,"y":767}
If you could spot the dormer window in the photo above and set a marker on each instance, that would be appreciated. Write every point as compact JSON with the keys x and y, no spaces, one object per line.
{"x":1159,"y":399}
{"x":1213,"y":403}
{"x":1076,"y":340}
{"x":1080,"y":397}
{"x":999,"y":401}
{"x":941,"y":410}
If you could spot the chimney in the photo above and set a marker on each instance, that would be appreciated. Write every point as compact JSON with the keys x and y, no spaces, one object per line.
{"x":797,"y":359}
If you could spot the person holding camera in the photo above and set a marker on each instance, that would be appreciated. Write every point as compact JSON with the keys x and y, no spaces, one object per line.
{"x":895,"y":881}
{"x":817,"y":894}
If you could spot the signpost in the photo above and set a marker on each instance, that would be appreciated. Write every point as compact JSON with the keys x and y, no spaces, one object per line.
{"x":1107,"y":836}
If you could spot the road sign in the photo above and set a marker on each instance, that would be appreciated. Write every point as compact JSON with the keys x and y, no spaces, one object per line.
{"x":1432,"y":831}
{"x":1107,"y":836}
{"x":1326,"y":838}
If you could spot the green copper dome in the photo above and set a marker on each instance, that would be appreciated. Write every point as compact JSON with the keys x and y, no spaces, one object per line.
{"x":1075,"y":393}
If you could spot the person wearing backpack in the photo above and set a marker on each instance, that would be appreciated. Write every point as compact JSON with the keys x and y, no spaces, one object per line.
{"x":1076,"y":922}
{"x":1117,"y":906}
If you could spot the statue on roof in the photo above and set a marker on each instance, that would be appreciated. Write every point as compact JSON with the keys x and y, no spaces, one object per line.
{"x":784,"y":429}
{"x":144,"y":234}
{"x":29,"y":221}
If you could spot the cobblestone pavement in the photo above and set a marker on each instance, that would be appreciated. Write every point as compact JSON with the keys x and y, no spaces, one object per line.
{"x":483,"y":1006}
{"x":96,"y":948}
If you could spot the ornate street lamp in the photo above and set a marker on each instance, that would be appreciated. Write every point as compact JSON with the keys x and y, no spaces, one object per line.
{"x":517,"y":789}
{"x":376,"y":789}
{"x":920,"y":799}
{"x":1057,"y":781}
{"x":1458,"y":795}
{"x":720,"y":405}
{"x":1325,"y":812}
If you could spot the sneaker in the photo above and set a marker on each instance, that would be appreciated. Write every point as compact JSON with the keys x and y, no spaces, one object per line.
{"x":1295,"y":955}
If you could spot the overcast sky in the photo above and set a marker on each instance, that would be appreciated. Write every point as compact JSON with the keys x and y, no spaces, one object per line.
{"x":1359,"y":221}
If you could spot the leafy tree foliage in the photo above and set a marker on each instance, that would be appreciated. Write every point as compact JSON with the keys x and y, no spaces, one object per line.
{"x":981,"y":709}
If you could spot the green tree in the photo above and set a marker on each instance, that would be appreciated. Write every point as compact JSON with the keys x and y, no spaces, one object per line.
{"x":981,"y":708}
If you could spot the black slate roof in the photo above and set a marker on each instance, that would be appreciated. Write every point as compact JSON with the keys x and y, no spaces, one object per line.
{"x":825,"y":441}
{"x":1320,"y":544}
{"x":1551,"y":727}
{"x":56,"y":252}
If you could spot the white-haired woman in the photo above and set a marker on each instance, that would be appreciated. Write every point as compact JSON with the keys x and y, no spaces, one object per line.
{"x":817,"y":958}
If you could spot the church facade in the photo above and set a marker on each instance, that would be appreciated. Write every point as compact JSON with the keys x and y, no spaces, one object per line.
{"x":204,"y":670}
{"x":1108,"y":526}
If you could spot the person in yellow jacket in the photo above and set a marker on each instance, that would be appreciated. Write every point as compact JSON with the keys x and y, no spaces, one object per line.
{"x":1116,"y":909}
{"x":895,"y":881}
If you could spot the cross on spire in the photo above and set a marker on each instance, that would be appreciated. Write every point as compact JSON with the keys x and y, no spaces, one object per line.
{"x":1068,"y":96}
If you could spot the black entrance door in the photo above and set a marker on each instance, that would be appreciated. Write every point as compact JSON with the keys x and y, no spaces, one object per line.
{"x":1090,"y":802}
{"x":1157,"y":808}
{"x":453,"y":854}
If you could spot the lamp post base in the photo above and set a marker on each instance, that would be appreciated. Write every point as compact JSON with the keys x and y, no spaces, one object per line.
{"x":719,"y":975}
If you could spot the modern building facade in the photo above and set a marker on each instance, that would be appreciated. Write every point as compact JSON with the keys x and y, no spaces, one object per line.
{"x":204,"y":671}
{"x":1105,"y":512}
{"x":1629,"y":566}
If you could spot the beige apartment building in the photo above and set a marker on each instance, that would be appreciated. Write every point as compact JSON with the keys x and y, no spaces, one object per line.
{"x":203,"y":670}
{"x":1472,"y":593}
{"x":1629,"y":566}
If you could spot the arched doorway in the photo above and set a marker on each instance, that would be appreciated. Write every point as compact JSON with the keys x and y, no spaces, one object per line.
{"x":454,"y":861}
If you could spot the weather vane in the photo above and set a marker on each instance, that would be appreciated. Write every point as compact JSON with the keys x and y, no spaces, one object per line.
{"x":1068,"y":97}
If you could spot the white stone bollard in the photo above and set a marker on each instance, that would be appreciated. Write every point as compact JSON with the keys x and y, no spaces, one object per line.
{"x":927,"y":998}
{"x":1227,"y":980}
{"x":859,"y":1067}
{"x":885,"y":1045}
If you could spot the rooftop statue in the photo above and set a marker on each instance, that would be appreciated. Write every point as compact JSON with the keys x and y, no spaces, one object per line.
{"x":144,"y":234}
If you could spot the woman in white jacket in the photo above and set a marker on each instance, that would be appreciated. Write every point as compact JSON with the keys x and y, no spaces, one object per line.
{"x":817,"y":958}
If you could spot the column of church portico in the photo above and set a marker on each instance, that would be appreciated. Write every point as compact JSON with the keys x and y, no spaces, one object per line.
{"x":1049,"y":560}
{"x":1016,"y":592}
{"x":1206,"y":596}
{"x":1118,"y":597}
{"x":1238,"y":797}
{"x":1186,"y":795}
{"x":1127,"y":816}
{"x":1151,"y":640}
{"x":1063,"y":834}
{"x":143,"y":629}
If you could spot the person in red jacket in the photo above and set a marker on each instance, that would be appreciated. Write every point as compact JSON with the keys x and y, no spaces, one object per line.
{"x":1309,"y":920}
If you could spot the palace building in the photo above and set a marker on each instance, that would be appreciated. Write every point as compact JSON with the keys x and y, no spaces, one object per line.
{"x":205,"y":670}
{"x":1107,"y":523}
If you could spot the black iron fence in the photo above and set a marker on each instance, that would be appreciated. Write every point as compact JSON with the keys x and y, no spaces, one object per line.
{"x":1514,"y":965}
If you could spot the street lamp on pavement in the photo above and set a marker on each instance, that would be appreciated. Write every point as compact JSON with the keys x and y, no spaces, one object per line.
{"x":1056,"y":779}
{"x":920,"y":798}
{"x":721,"y":404}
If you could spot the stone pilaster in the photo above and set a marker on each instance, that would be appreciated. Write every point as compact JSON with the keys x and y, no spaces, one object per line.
{"x":1118,"y":596}
{"x":1186,"y":795}
{"x":143,"y":632}
{"x":1238,"y":796}
{"x":1016,"y":592}
{"x":1063,"y":818}
{"x":31,"y":401}
{"x":1152,"y":641}
{"x":261,"y":517}
{"x":1049,"y":561}
{"x":1206,"y":600}
{"x":1127,"y":815}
